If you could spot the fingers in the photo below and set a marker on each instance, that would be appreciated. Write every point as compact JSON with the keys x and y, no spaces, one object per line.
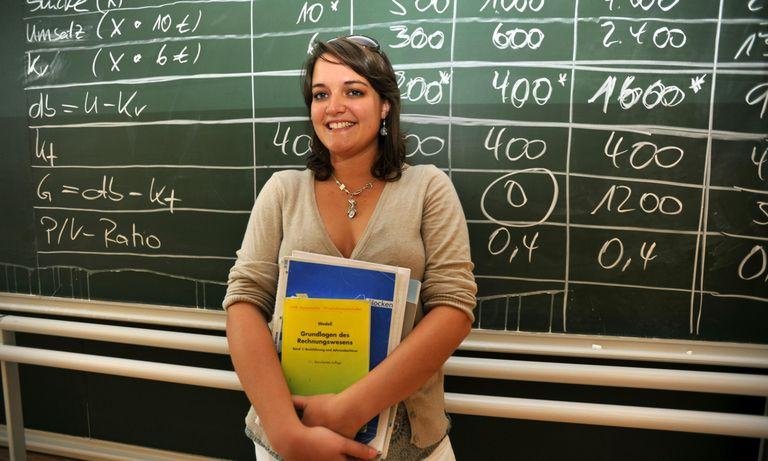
{"x":319,"y":443}
{"x":358,"y":450}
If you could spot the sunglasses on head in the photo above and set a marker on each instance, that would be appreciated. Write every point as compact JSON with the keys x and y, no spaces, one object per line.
{"x":362,"y":40}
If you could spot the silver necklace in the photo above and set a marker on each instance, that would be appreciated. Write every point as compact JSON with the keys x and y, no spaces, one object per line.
{"x":352,"y":203}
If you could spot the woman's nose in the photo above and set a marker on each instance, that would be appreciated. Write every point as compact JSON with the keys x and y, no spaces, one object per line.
{"x":335,"y":105}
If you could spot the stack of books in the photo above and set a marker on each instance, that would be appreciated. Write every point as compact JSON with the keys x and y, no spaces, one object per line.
{"x":335,"y":320}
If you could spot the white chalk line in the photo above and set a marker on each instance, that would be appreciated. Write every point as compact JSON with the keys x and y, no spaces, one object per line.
{"x":568,"y":171}
{"x":654,"y":230}
{"x":175,"y":167}
{"x":181,"y":122}
{"x":158,"y":210}
{"x":692,"y":68}
{"x":728,"y":295}
{"x":89,"y":272}
{"x":703,"y":221}
{"x":130,"y":8}
{"x":592,"y":176}
{"x":254,"y":179}
{"x":623,"y":285}
{"x":450,"y":92}
{"x":144,"y":255}
{"x":158,"y":79}
{"x":441,"y":21}
{"x":737,"y":236}
{"x":638,"y":180}
{"x":684,"y":21}
{"x":739,"y":189}
{"x":522,"y":294}
{"x":180,"y":167}
{"x":423,"y":119}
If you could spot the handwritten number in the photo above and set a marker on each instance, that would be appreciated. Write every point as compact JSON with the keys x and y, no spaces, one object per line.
{"x":401,"y":11}
{"x":607,"y":38}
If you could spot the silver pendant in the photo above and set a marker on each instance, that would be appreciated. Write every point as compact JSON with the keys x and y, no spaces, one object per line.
{"x":352,"y":209}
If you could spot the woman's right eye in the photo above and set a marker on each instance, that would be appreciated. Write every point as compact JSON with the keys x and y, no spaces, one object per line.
{"x":319,"y":95}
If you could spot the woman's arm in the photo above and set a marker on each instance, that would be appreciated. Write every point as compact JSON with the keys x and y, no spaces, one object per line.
{"x":402,"y":373}
{"x":255,"y":359}
{"x":257,"y":366}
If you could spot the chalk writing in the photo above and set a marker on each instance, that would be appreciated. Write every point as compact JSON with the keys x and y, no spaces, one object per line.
{"x":600,"y":150}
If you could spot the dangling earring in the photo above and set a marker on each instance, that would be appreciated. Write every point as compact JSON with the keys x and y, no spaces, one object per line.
{"x":383,"y":129}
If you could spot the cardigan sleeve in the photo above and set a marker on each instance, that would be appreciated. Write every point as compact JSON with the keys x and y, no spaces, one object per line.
{"x":448,"y":279}
{"x":253,"y":278}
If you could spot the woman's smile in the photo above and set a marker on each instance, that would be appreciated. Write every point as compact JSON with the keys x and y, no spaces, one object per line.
{"x":335,"y":126}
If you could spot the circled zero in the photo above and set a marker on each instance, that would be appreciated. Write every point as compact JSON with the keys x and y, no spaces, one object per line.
{"x":522,"y":223}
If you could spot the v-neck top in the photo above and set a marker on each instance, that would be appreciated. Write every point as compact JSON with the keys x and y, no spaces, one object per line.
{"x":418,"y":223}
{"x":319,"y":219}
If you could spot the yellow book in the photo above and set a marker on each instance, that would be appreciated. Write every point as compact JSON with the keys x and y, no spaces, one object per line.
{"x":325,"y":343}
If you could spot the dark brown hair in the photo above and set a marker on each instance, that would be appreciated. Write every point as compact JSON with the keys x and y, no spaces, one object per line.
{"x":374,"y":65}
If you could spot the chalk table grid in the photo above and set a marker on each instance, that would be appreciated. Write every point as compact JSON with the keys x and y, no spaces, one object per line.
{"x":610,"y":155}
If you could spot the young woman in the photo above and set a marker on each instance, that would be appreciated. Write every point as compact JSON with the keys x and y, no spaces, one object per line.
{"x":357,"y":199}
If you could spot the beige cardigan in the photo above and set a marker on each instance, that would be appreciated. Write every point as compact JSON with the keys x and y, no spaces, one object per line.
{"x":418,"y":223}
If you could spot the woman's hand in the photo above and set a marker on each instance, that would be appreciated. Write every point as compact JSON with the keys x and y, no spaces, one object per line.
{"x":327,"y":411}
{"x":322,"y":444}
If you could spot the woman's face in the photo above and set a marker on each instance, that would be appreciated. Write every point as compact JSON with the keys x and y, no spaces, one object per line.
{"x":346,"y":110}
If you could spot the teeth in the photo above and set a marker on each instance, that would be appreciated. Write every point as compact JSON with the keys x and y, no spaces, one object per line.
{"x":336,"y":125}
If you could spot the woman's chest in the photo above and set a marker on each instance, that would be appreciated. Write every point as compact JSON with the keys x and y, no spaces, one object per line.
{"x":346,"y":216}
{"x":386,"y":230}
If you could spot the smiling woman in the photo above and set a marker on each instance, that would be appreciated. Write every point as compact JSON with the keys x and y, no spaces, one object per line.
{"x":346,"y":111}
{"x":371,"y":70}
{"x":357,"y":199}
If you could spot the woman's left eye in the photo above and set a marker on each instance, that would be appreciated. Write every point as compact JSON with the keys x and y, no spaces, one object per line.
{"x":355,"y":93}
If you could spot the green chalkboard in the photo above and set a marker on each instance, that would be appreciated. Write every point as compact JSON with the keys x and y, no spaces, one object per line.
{"x":611,"y":156}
